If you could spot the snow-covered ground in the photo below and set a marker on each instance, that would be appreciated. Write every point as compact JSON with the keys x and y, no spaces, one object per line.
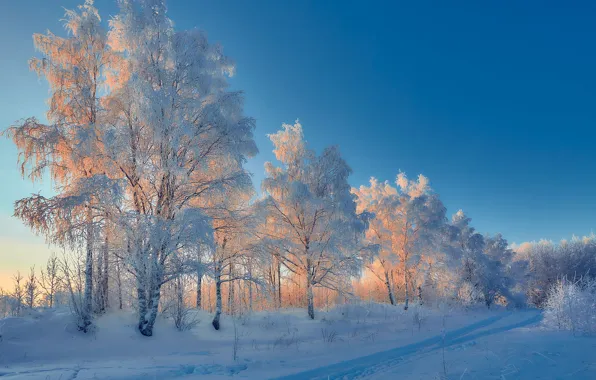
{"x":364,"y":341}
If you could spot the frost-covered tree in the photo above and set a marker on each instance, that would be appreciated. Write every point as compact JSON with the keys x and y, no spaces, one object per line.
{"x":50,"y":280}
{"x":102,"y":277}
{"x":71,"y":220}
{"x":549,"y":262}
{"x":464,"y":250}
{"x":233,"y":223}
{"x":483,"y":263}
{"x":18,"y":295}
{"x":179,"y":137}
{"x":66,"y":147}
{"x":497,"y":271}
{"x":308,"y":199}
{"x":407,"y":221}
{"x":570,"y":305}
{"x":31,"y":289}
{"x":376,"y":199}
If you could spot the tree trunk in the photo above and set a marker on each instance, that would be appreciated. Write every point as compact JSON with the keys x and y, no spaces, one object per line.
{"x":102,"y":279}
{"x":310,"y":298}
{"x":88,"y":294}
{"x":215,"y":322}
{"x":142,"y":302}
{"x":250,"y":287}
{"x":98,"y":296}
{"x":389,"y":288}
{"x":155,"y":293}
{"x":179,"y":312}
{"x":231,"y":290}
{"x":278,"y":283}
{"x":407,"y":301}
{"x":141,"y":279}
{"x":209,"y":304}
{"x":199,"y":300}
{"x":309,"y":293}
{"x":275,"y":280}
{"x":105,"y":282}
{"x":119,"y":283}
{"x":199,"y":287}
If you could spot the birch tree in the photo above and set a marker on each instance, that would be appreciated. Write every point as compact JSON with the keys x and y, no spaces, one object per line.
{"x":308,"y":198}
{"x":549,"y":262}
{"x":465,"y":248}
{"x":233,"y":222}
{"x":50,"y":280}
{"x":407,"y":221}
{"x":31,"y":289}
{"x":375,"y":199}
{"x":483,"y":263}
{"x":178,"y":138}
{"x":18,"y":294}
{"x":66,"y":147}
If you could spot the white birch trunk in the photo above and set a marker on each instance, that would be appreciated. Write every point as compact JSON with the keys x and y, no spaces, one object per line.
{"x":309,"y":291}
{"x":119,"y":282}
{"x":215,"y":322}
{"x":155,"y":293}
{"x":389,"y":288}
{"x":104,"y":279}
{"x":199,"y":287}
{"x":407,"y":301}
{"x":250,"y":287}
{"x":87,"y":308}
{"x":231,"y":290}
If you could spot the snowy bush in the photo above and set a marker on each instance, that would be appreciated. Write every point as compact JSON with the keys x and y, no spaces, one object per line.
{"x":570,"y":306}
{"x":184,"y":317}
{"x":329,"y":336}
{"x":549,"y":261}
{"x":173,"y":306}
{"x":286,"y":340}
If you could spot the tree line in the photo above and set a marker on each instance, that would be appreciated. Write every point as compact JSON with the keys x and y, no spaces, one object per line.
{"x":154,"y":210}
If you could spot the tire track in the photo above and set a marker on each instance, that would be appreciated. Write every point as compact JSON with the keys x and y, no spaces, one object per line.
{"x":351,"y":369}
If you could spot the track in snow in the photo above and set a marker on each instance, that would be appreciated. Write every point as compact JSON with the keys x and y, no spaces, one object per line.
{"x":386,"y":360}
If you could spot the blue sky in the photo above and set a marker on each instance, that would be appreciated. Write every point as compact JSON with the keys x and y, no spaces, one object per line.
{"x":494,"y":101}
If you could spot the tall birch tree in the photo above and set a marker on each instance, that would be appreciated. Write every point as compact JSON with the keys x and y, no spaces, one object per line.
{"x":308,"y":199}
{"x":66,"y":147}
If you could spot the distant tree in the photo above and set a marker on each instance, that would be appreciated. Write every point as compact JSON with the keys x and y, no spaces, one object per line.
{"x":484,"y":264}
{"x":496,"y":270}
{"x":50,"y":280}
{"x":547,"y":263}
{"x":72,"y":272}
{"x":407,"y":220}
{"x":18,"y":294}
{"x":233,"y":222}
{"x":31,"y":289}
{"x":464,"y":252}
{"x":308,"y":198}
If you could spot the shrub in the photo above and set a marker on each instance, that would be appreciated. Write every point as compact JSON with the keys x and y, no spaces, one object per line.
{"x":570,"y":306}
{"x":329,"y":336}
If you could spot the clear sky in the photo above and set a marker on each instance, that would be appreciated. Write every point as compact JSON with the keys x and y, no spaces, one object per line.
{"x":494,"y":101}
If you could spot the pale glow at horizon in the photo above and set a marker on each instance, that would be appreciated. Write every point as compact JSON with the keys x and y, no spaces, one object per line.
{"x":20,"y":255}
